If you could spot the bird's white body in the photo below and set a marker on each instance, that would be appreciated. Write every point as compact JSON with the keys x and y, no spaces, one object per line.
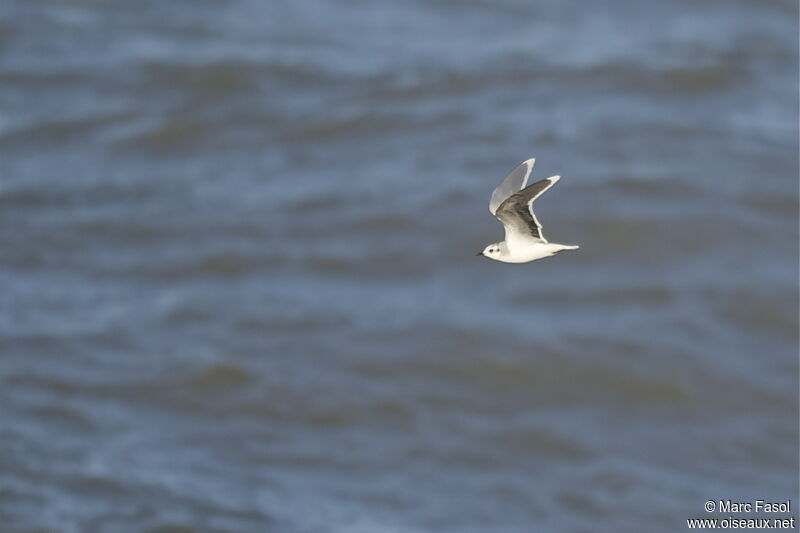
{"x":512,"y":204}
{"x":526,"y":251}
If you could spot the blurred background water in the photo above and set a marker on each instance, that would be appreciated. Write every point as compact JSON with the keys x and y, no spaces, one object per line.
{"x":238,"y":282}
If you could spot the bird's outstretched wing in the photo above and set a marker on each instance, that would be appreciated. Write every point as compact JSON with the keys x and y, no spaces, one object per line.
{"x":516,"y":211}
{"x":512,"y":183}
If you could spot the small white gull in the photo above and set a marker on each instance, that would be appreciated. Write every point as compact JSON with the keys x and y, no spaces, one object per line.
{"x":512,"y":204}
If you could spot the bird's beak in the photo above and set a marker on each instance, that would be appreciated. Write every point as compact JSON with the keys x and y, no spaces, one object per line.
{"x":479,"y":253}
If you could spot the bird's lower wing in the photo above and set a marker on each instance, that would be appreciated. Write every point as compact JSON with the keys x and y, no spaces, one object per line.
{"x":516,"y":212}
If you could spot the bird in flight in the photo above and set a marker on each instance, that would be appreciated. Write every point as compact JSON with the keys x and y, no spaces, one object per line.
{"x":512,"y":204}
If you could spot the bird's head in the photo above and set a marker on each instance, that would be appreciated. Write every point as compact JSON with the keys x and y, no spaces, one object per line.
{"x":492,"y":251}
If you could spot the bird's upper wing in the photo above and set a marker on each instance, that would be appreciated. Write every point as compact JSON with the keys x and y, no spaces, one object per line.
{"x":512,"y":183}
{"x":516,"y":212}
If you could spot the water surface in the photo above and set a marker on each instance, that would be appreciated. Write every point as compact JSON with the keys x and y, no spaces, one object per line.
{"x":238,"y":279}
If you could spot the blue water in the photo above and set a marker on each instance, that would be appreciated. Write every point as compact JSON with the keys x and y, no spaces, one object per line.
{"x":238,"y":283}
